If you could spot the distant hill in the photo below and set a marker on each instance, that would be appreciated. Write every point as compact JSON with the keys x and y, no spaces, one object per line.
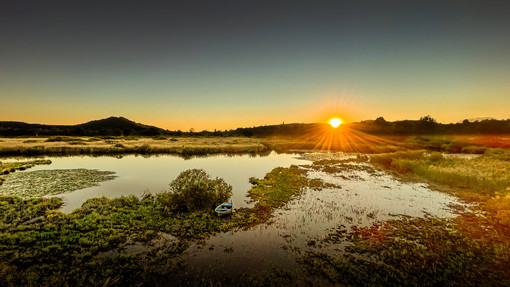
{"x":120,"y":123}
{"x":119,"y":126}
{"x":112,"y":126}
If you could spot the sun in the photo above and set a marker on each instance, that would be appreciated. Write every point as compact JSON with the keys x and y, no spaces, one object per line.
{"x":335,"y":122}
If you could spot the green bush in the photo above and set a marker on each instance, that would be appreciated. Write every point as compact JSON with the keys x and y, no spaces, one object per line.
{"x":194,"y":190}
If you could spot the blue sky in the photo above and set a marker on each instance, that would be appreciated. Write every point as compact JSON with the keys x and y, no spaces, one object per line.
{"x":226,"y":64}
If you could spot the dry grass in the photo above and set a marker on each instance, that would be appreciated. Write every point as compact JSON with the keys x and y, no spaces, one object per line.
{"x":93,"y":145}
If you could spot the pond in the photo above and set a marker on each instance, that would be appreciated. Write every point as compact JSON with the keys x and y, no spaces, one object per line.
{"x":357,"y":195}
{"x":360,"y":196}
{"x":136,"y":175}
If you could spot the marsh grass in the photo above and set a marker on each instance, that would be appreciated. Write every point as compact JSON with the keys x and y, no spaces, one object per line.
{"x":276,"y":189}
{"x":488,"y":174}
{"x":484,"y":180}
{"x":63,"y":139}
{"x":39,"y":245}
{"x":105,"y":146}
{"x":412,"y":252}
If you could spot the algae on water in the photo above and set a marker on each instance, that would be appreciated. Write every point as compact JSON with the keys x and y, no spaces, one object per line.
{"x":52,"y":182}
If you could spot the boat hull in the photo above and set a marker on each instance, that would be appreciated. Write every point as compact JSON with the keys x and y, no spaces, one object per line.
{"x":224,"y":209}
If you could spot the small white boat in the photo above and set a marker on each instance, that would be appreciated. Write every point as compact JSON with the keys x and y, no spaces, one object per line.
{"x":224,"y":209}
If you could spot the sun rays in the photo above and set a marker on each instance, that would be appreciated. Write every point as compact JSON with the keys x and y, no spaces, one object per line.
{"x":327,"y":137}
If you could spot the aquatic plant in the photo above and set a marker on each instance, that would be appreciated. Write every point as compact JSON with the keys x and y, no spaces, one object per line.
{"x":52,"y":182}
{"x":7,"y":168}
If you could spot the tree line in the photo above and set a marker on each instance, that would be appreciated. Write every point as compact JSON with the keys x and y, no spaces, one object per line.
{"x":123,"y":127}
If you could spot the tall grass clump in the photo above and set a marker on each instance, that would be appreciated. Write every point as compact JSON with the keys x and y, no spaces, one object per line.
{"x":488,"y":174}
{"x":194,"y":190}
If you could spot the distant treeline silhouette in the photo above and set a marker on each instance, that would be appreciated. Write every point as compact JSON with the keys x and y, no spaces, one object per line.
{"x":119,"y":126}
{"x":428,"y":125}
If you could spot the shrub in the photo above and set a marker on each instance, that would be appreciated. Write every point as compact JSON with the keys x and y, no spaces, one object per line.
{"x":435,"y":156}
{"x":145,"y":148}
{"x":473,"y":149}
{"x":194,"y":190}
{"x":159,"y":138}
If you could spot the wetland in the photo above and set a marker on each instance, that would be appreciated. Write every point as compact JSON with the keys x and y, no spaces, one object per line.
{"x":308,"y":218}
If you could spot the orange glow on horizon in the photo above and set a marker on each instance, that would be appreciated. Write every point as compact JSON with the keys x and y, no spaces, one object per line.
{"x":343,"y":138}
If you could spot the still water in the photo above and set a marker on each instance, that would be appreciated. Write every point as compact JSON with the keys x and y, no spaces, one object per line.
{"x":361,"y":197}
{"x":358,"y":196}
{"x":137,"y":175}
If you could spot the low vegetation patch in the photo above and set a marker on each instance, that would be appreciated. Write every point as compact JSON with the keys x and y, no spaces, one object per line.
{"x":40,"y":245}
{"x":278,"y":186}
{"x":276,"y":189}
{"x":64,"y":139}
{"x":412,"y":252}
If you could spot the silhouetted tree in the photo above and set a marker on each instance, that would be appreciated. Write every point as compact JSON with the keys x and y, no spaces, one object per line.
{"x":380,"y":121}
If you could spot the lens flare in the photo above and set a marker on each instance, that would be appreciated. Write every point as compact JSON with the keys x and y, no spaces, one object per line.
{"x":335,"y":122}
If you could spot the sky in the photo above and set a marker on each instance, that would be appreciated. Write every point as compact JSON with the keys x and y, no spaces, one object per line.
{"x":227,"y":64}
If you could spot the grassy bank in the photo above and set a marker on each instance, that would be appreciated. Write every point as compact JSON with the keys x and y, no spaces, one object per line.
{"x":486,"y":175}
{"x":345,"y":140}
{"x":62,"y":145}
